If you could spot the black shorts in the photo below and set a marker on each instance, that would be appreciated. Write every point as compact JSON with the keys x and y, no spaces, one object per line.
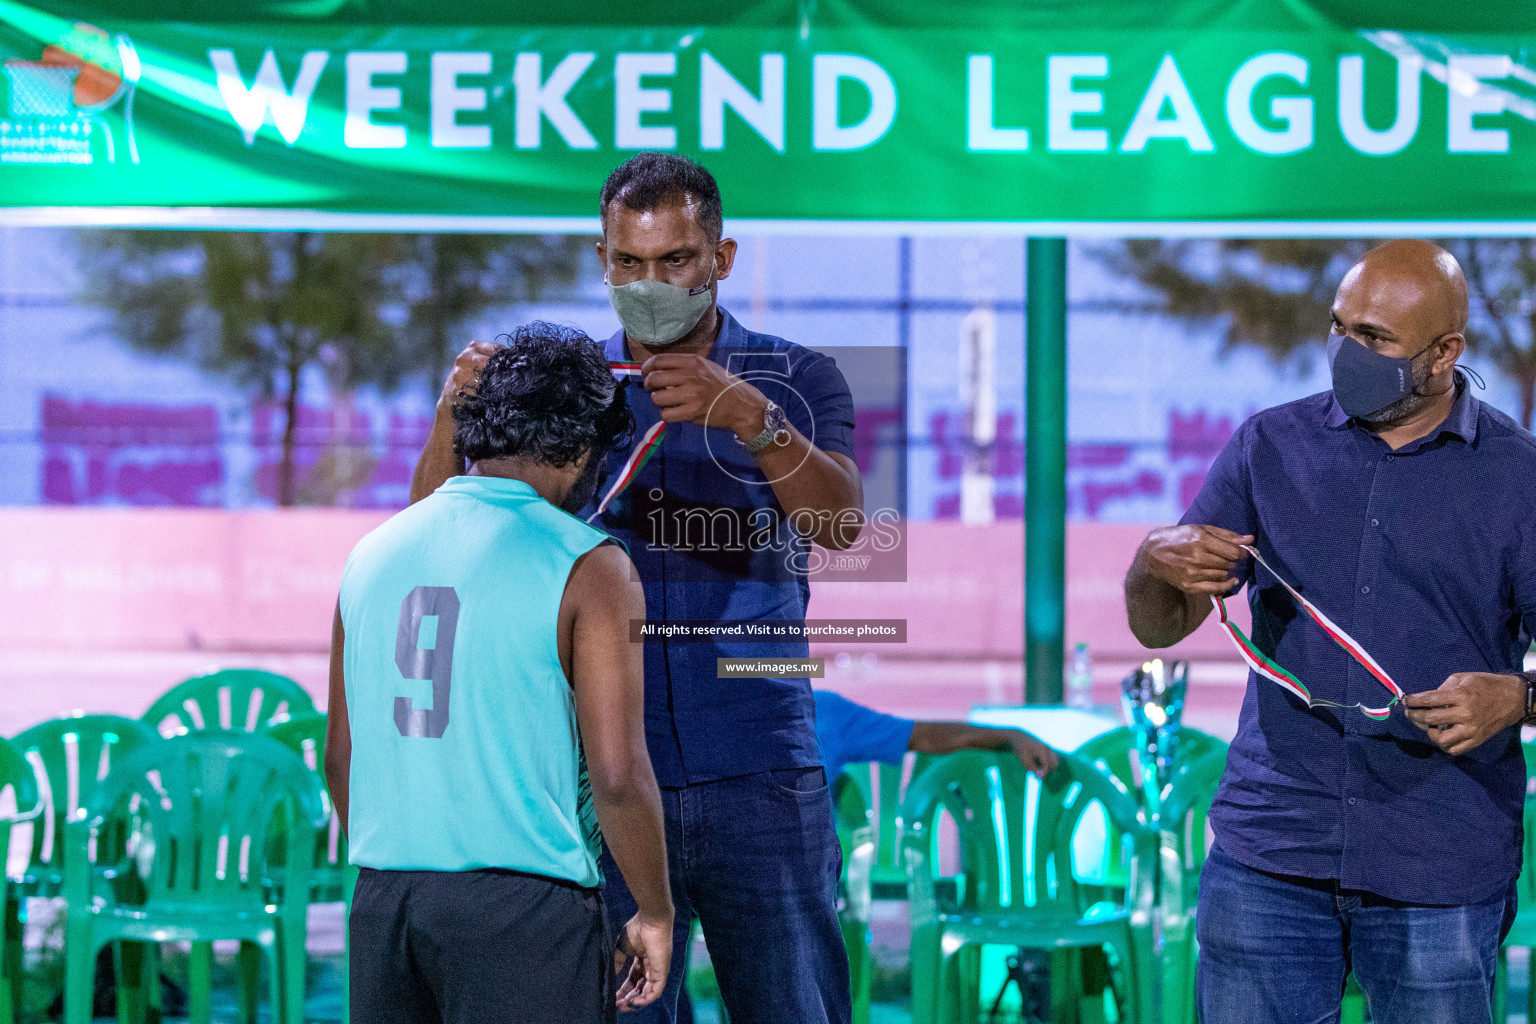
{"x":478,"y":947}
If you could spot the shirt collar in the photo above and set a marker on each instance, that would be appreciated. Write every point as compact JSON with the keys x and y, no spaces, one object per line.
{"x":1460,"y":421}
{"x":478,"y":484}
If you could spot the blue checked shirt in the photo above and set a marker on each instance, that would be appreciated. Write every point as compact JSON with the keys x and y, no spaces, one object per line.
{"x":1427,"y":556}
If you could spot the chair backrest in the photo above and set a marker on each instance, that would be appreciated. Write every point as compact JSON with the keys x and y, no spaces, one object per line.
{"x":304,"y":734}
{"x":868,"y":793}
{"x":71,"y":756}
{"x":1187,"y":805}
{"x":234,"y":699}
{"x":1114,"y":749}
{"x":206,"y":805}
{"x":1015,"y":839}
{"x":16,"y":777}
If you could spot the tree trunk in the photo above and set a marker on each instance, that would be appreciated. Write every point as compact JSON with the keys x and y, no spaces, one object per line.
{"x":287,"y":489}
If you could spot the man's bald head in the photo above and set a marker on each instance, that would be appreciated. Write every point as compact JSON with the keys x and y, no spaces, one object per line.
{"x":1415,"y":281}
{"x":1407,"y":300}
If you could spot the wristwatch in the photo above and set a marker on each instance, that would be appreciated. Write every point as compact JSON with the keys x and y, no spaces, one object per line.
{"x":1530,"y":698}
{"x":775,"y":431}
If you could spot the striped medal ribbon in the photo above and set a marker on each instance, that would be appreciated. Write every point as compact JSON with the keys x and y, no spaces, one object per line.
{"x":1271,"y":670}
{"x":633,"y":465}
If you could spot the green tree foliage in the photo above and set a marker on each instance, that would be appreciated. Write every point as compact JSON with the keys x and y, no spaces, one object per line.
{"x":260,"y":307}
{"x":1275,"y":293}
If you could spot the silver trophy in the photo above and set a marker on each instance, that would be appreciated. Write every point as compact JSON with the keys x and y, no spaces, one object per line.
{"x":1152,"y":699}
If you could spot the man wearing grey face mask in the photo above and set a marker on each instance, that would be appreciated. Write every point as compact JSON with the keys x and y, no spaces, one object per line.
{"x":759,"y":437}
{"x":1353,"y":834}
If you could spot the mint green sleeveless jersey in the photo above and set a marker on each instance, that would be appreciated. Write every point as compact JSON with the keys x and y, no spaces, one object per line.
{"x":465,"y":753}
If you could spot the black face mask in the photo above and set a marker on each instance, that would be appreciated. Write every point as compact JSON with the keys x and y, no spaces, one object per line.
{"x":1364,"y":381}
{"x":585,"y":486}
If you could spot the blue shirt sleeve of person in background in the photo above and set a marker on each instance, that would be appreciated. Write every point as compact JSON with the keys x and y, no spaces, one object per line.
{"x":850,"y":732}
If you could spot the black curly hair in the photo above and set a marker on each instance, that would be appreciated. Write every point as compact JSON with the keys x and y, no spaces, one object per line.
{"x":548,"y":395}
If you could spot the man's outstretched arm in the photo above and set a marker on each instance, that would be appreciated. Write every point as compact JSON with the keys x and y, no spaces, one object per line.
{"x":608,"y":674}
{"x":438,"y":461}
{"x":948,"y":737}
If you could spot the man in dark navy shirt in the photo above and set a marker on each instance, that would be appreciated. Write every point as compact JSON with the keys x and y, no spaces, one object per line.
{"x":1400,"y":506}
{"x":756,"y":466}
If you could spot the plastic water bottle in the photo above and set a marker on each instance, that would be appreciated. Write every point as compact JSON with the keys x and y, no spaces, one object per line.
{"x":1080,"y":679}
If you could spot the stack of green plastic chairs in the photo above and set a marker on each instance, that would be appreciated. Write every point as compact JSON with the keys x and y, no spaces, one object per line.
{"x":1016,"y":884}
{"x":71,"y":756}
{"x":204,"y":807}
{"x":16,"y":778}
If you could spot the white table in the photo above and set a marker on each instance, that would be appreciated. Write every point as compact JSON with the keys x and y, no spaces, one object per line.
{"x":1062,"y":727}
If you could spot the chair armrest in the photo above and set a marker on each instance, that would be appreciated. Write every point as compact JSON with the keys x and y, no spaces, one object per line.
{"x":922,"y":897}
{"x":861,"y":863}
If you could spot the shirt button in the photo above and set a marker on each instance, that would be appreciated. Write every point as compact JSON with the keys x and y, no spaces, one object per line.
{"x":1365,"y":590}
{"x":1351,"y":801}
{"x":1375,"y":522}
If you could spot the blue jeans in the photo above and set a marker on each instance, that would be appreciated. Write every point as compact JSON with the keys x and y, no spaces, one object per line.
{"x":1277,"y":951}
{"x":756,"y":860}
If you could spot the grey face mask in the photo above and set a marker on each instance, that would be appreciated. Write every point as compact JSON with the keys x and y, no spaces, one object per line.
{"x":656,"y":313}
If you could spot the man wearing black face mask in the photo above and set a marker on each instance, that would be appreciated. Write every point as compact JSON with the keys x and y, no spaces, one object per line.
{"x":1354,"y":834}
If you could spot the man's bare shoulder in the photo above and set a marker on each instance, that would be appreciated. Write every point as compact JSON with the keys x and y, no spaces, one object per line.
{"x":605,"y":576}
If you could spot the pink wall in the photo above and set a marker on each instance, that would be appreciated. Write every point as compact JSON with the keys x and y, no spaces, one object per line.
{"x":164,"y":580}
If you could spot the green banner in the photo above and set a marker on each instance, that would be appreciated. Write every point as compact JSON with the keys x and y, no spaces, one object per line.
{"x":1226,"y":129}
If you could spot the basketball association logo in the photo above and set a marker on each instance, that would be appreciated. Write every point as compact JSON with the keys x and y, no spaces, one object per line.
{"x":57,"y":105}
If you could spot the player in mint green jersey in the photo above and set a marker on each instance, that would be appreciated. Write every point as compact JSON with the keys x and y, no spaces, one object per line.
{"x":487,"y":715}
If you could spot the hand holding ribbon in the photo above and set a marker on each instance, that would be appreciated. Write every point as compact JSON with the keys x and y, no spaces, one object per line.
{"x":1468,"y":709}
{"x":1271,"y":670}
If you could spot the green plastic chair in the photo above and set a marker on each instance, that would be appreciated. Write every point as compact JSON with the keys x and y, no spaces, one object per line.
{"x":70,"y":756}
{"x":204,"y":807}
{"x":1016,"y":889}
{"x":234,"y":699}
{"x":334,"y":878}
{"x":16,"y":777}
{"x":1523,"y":931}
{"x":1183,"y":846}
{"x":1112,"y":752}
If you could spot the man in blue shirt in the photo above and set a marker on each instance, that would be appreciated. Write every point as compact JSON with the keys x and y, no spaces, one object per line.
{"x":480,"y":666}
{"x":1400,"y":507}
{"x":756,"y":466}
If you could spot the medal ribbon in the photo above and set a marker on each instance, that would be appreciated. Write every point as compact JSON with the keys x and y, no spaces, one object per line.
{"x":633,"y":465}
{"x":1269,"y":669}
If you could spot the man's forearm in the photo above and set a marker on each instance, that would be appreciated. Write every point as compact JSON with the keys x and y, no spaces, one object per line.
{"x":948,"y":737}
{"x":437,"y":462}
{"x":812,"y":486}
{"x":1159,"y":614}
{"x":630,"y":817}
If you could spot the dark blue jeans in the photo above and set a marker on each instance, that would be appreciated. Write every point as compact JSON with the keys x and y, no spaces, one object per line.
{"x":1277,"y":951}
{"x":756,"y":860}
